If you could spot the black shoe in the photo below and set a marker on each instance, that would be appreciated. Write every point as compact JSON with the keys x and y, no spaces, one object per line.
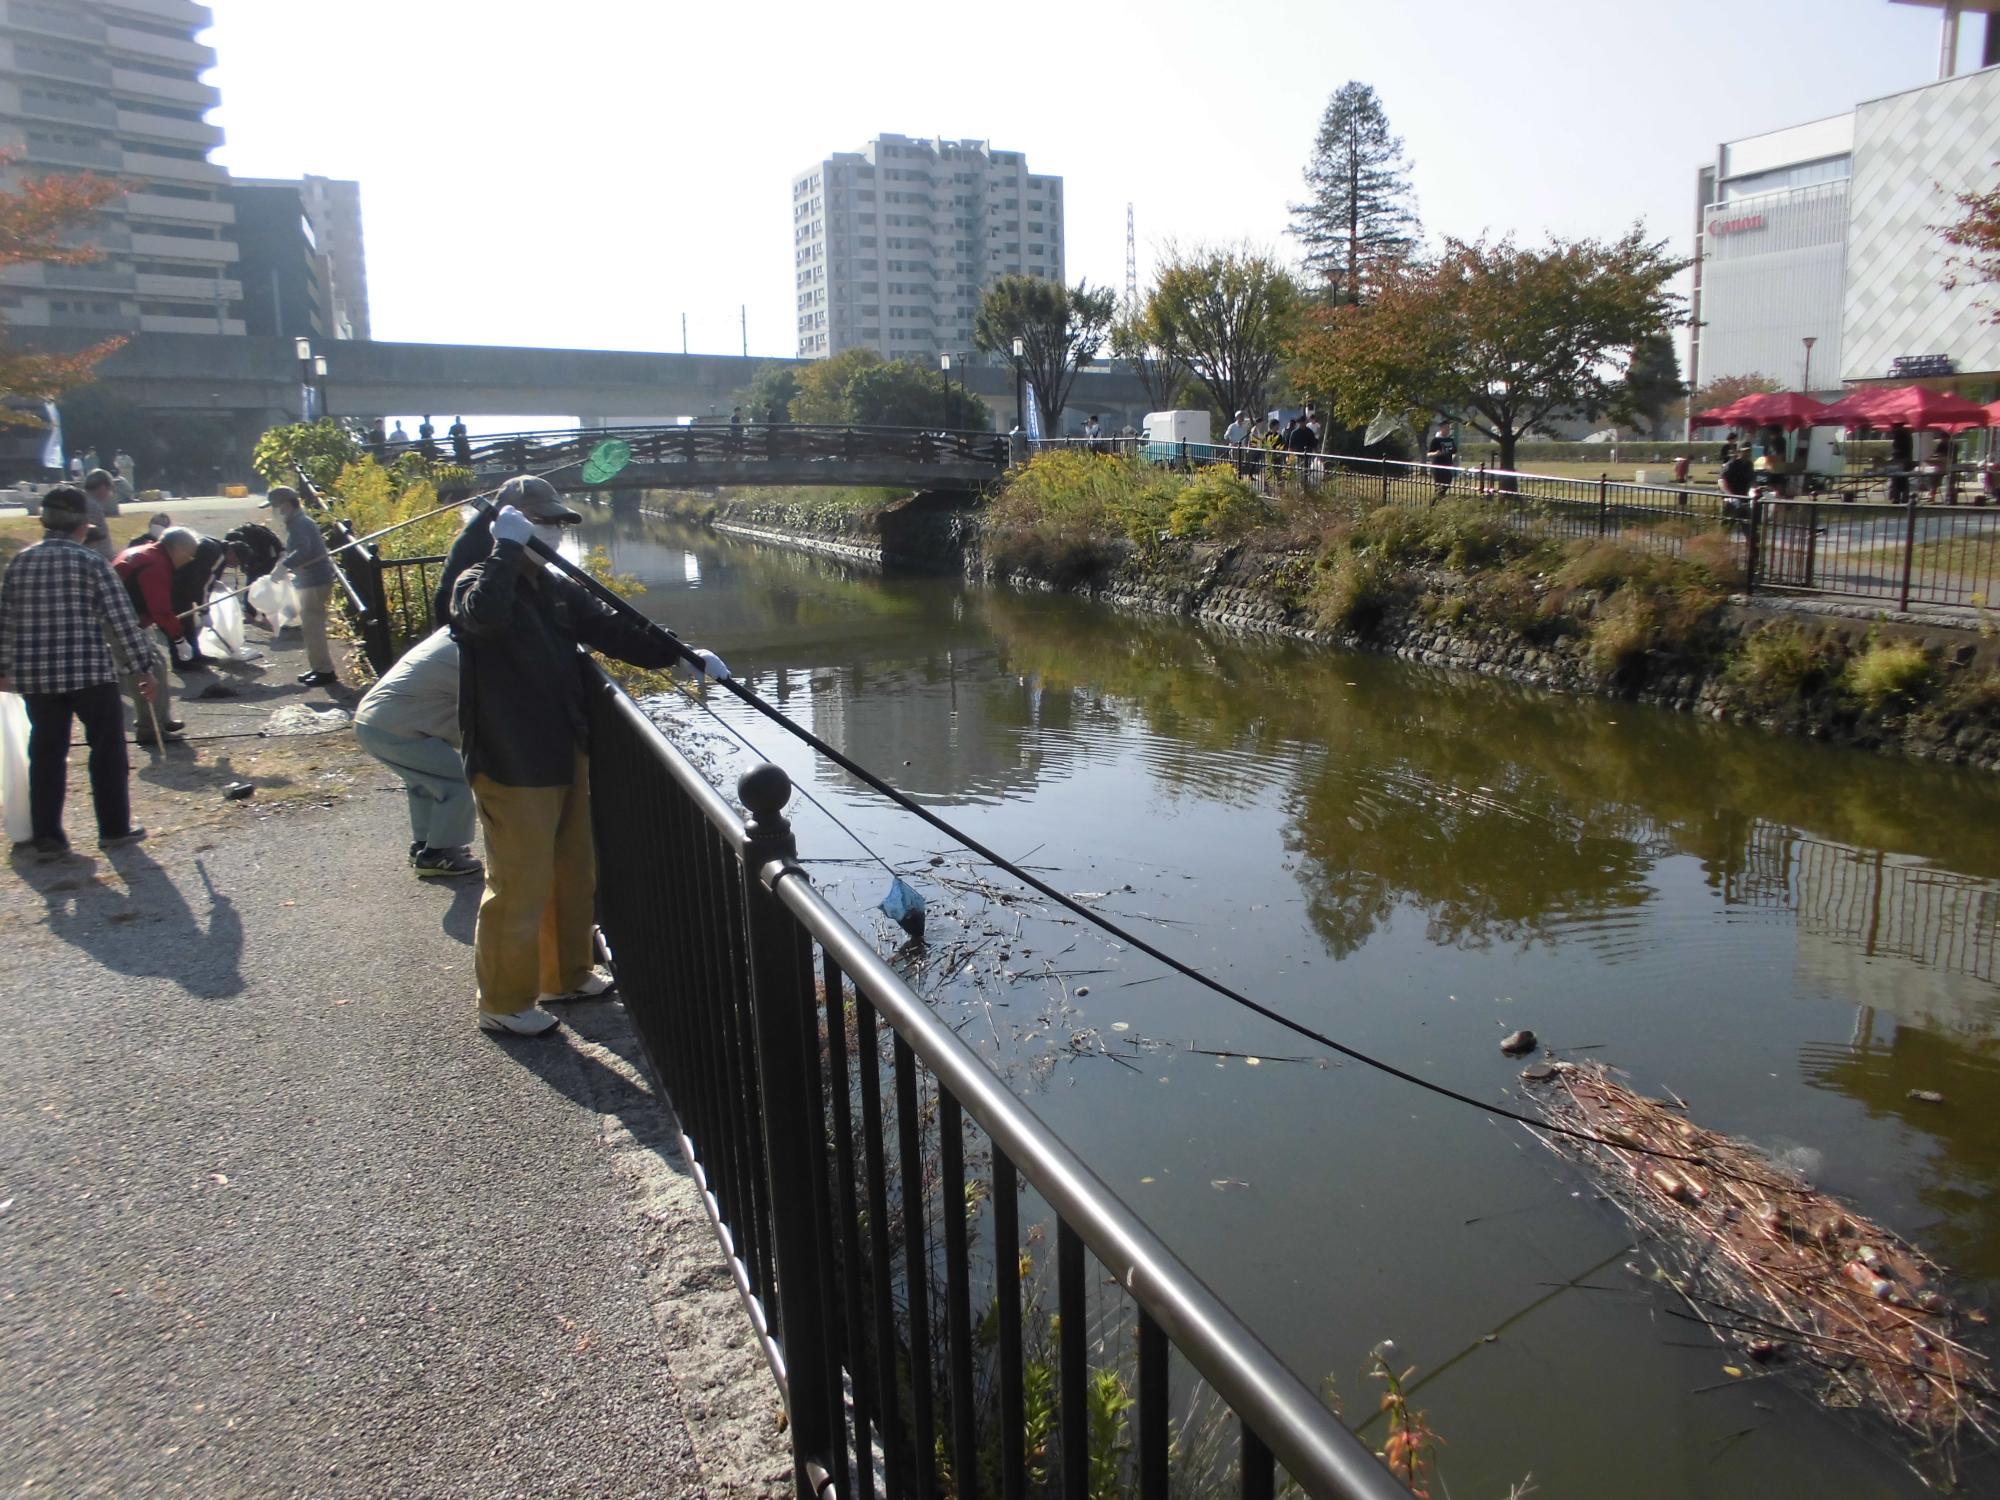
{"x":446,"y":864}
{"x":168,"y":736}
{"x":172,"y":726}
{"x":319,"y":679}
{"x":416,"y":848}
{"x":131,"y":835}
{"x":48,"y":847}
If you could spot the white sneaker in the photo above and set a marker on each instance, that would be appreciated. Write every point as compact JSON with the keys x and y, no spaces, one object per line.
{"x":595,"y":986}
{"x":534,"y":1021}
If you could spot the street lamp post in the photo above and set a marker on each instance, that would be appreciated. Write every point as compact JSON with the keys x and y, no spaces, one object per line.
{"x":319,"y":382}
{"x":1020,"y":385}
{"x":304,"y":350}
{"x":944,"y":375}
{"x":1805,"y":385}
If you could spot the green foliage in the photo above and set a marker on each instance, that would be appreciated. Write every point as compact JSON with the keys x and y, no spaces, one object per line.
{"x":1361,"y":215}
{"x":1109,"y":1399}
{"x":322,"y":448}
{"x":1231,"y":313}
{"x":1217,"y":503}
{"x":1889,"y":675}
{"x":1653,"y":381}
{"x":1060,"y":330}
{"x":1500,"y":336}
{"x":858,"y":387}
{"x":1355,"y":590}
{"x":773,"y":387}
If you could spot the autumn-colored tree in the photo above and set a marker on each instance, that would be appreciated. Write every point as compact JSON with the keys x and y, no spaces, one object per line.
{"x":40,"y":220}
{"x":1976,"y":238}
{"x":1496,"y":335}
{"x":1155,"y":355}
{"x":821,"y":400}
{"x":1727,"y":388}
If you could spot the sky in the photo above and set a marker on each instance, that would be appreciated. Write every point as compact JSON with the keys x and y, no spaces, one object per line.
{"x":584,"y":174}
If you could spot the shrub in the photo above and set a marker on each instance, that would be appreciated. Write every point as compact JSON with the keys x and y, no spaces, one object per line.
{"x":1217,"y":503}
{"x":1783,"y":663}
{"x":1621,"y":631}
{"x":1354,"y":591}
{"x":1717,"y":555}
{"x":1889,"y":675}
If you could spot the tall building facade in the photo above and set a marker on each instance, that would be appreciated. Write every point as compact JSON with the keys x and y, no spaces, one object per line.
{"x":1819,"y":245}
{"x":332,"y":207}
{"x":893,"y":245}
{"x":114,"y":86}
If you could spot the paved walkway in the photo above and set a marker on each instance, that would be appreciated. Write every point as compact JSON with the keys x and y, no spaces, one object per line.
{"x":277,"y":1220}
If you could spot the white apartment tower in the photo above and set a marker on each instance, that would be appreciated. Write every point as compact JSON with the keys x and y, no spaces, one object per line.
{"x":894,"y":244}
{"x":114,"y":87}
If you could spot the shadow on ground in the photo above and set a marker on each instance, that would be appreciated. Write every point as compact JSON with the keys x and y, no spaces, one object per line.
{"x":143,"y":925}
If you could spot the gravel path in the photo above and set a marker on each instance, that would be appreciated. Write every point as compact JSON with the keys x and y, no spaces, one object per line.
{"x":277,"y":1220}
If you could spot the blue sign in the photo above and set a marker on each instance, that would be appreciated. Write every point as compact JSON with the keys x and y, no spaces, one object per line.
{"x":1033,"y":415}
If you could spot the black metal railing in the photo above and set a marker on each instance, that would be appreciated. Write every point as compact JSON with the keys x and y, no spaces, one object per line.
{"x":868,"y":1177}
{"x":358,"y":571}
{"x":737,"y":445}
{"x":1903,"y":554}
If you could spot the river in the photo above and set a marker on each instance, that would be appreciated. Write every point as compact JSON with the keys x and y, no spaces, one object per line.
{"x":1791,"y":937}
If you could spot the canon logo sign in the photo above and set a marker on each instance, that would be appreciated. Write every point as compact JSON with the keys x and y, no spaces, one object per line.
{"x":1736,"y":226}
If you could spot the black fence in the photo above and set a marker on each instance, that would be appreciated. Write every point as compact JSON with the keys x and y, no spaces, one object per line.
{"x":388,"y":599}
{"x":1905,"y":555}
{"x":869,"y":1176}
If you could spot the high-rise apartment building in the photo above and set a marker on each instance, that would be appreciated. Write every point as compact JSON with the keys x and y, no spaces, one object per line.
{"x":332,"y":208}
{"x":114,"y":86}
{"x":894,"y":244}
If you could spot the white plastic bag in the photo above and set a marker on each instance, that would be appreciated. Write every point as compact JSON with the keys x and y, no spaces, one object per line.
{"x":14,"y":767}
{"x":275,"y":597}
{"x":223,"y":635}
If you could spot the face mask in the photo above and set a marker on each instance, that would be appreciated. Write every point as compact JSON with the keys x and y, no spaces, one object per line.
{"x":549,"y":536}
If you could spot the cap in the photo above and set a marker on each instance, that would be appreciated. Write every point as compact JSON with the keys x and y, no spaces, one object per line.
{"x":63,"y":509}
{"x":98,"y":479}
{"x":536,"y":499}
{"x":278,"y":492}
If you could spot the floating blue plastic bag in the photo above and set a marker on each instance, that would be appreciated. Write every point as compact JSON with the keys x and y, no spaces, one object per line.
{"x":904,"y":907}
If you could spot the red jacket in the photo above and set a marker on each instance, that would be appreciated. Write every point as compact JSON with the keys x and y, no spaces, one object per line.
{"x":149,"y":578}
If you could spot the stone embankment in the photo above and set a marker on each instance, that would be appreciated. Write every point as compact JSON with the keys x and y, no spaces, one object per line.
{"x":1242,"y":588}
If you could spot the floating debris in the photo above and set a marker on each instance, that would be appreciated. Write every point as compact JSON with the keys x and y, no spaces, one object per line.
{"x":1790,"y":1275}
{"x":1514,"y":1043}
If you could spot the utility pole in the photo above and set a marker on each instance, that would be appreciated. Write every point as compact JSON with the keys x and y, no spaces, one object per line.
{"x":1131,"y":267}
{"x":684,"y":333}
{"x":743,"y":313}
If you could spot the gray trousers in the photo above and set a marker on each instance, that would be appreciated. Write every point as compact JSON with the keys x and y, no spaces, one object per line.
{"x":441,"y":807}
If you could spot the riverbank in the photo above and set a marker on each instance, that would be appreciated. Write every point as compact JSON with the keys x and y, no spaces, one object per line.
{"x":1451,"y":586}
{"x":278,"y":1220}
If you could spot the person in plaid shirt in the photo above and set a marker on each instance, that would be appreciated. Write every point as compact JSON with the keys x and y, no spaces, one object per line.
{"x":63,"y":613}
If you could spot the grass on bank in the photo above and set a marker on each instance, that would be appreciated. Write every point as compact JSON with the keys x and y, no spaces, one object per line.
{"x":1345,"y":562}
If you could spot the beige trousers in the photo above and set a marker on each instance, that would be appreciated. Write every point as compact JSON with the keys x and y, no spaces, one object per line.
{"x":536,"y":921}
{"x":312,"y":625}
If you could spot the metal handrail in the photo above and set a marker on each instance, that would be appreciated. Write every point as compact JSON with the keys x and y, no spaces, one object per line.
{"x":1280,"y":1412}
{"x":1315,"y":1449}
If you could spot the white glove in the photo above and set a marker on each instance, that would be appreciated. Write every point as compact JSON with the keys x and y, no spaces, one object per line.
{"x":712,"y":666}
{"x":511,"y":526}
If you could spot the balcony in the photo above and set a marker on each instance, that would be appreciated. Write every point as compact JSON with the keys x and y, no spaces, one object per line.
{"x":94,"y":112}
{"x":127,"y":84}
{"x":70,"y":70}
{"x":88,"y":278}
{"x":171,"y":169}
{"x":43,"y":153}
{"x":173,"y":12}
{"x":175,"y":247}
{"x":133,"y":122}
{"x":179,"y":210}
{"x":195,"y":56}
{"x":96,"y":322}
{"x":161,"y":323}
{"x":195,"y":290}
{"x":51,"y":18}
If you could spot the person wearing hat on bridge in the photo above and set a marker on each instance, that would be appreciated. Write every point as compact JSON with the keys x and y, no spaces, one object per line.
{"x":64,"y":617}
{"x":524,"y":724}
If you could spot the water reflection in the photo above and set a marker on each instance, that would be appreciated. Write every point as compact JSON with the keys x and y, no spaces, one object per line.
{"x":1794,"y":936}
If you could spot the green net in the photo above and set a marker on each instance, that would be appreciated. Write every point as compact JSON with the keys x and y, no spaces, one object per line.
{"x":605,"y":460}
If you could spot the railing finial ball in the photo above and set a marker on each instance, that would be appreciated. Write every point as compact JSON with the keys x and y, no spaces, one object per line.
{"x":765,"y":789}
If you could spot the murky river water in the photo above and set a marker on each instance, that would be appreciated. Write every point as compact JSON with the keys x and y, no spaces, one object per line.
{"x":1791,"y":937}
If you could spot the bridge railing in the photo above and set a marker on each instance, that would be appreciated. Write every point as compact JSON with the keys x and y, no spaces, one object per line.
{"x":868,"y":1177}
{"x":721,"y":443}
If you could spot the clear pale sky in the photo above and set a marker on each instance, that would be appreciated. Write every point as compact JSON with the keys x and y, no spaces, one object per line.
{"x":582,"y":173}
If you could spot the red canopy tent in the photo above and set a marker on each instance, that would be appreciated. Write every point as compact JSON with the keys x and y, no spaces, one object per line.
{"x":1787,"y":409}
{"x":1912,"y":405}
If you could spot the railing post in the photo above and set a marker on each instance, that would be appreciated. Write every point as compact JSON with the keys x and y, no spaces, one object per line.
{"x":1603,"y":504}
{"x":1754,"y":533}
{"x":1909,"y":549}
{"x":782,"y":1007}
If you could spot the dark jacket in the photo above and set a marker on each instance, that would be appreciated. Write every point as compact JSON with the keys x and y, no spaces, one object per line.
{"x":474,"y":544}
{"x":521,"y":679}
{"x":259,"y":548}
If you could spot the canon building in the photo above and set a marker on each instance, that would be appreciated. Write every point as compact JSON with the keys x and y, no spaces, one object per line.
{"x":1818,"y":261}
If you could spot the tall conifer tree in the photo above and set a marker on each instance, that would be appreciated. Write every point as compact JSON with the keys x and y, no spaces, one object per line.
{"x":1361,"y":215}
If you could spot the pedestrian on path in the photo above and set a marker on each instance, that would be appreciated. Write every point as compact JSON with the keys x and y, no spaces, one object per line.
{"x":100,"y":503}
{"x":147,"y":571}
{"x":522,"y":713}
{"x":312,"y":576}
{"x":1442,"y":456}
{"x":64,"y":617}
{"x":409,"y":722}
